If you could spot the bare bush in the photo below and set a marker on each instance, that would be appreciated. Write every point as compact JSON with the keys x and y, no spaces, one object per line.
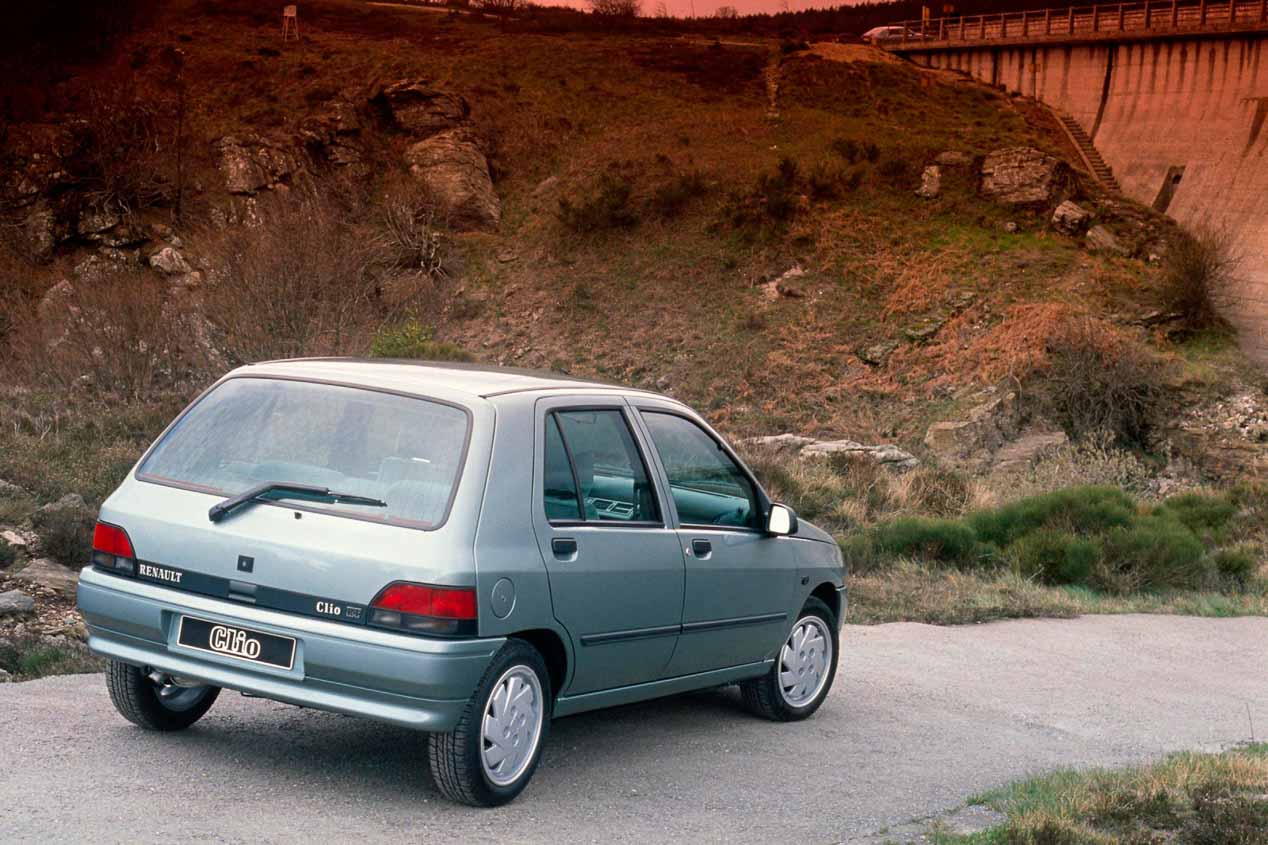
{"x":122,"y":153}
{"x":1098,"y":381}
{"x":410,"y":232}
{"x":301,"y":283}
{"x":501,"y":7}
{"x":1199,"y":276}
{"x":616,"y":8}
{"x":114,"y":338}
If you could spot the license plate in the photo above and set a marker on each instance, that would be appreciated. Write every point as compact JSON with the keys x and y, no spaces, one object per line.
{"x":240,"y":643}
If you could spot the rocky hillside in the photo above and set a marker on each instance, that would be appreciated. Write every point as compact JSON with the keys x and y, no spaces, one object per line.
{"x":823,"y":242}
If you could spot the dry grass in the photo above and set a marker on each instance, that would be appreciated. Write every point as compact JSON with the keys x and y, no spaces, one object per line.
{"x":1190,"y":798}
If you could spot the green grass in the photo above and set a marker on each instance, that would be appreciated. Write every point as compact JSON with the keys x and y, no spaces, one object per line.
{"x":28,"y":657}
{"x":1187,"y":799}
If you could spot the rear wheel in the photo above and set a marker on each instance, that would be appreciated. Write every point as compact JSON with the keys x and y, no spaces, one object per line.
{"x":490,"y":756}
{"x":803,"y":672}
{"x":156,"y":701}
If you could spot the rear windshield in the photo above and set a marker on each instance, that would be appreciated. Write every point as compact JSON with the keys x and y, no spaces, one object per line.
{"x":404,"y":451}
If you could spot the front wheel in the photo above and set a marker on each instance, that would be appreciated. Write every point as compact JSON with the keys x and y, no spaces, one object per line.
{"x":490,"y":756}
{"x":803,"y":672}
{"x":155,"y":701}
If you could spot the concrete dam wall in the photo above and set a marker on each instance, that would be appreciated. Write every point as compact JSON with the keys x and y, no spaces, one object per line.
{"x":1182,"y":121}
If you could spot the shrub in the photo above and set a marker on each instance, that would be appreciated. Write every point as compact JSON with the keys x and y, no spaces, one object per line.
{"x":1199,"y":273}
{"x":1238,"y":566}
{"x":942,"y":540}
{"x":1094,"y":460}
{"x":1153,"y":553}
{"x":1055,"y":557}
{"x":672,"y":197}
{"x":29,"y":656}
{"x":608,"y":206}
{"x":1081,"y":510}
{"x":771,"y":203}
{"x":1097,"y":381}
{"x":412,"y":339}
{"x":827,"y":181}
{"x":1205,"y":515}
{"x":848,"y":148}
{"x":65,"y":534}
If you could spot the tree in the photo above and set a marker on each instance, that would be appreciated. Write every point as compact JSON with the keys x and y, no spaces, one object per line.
{"x":662,"y":11}
{"x":726,"y":13}
{"x":501,"y":7}
{"x":616,"y":8}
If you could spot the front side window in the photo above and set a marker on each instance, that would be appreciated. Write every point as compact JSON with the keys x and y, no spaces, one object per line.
{"x":593,"y":470}
{"x":708,"y":487}
{"x":404,"y":451}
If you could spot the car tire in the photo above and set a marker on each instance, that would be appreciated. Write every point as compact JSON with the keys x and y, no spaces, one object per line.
{"x":463,"y":760}
{"x":769,"y":697}
{"x":153,"y":706}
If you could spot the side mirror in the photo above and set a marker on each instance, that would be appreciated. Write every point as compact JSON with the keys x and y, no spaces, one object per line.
{"x":781,"y":520}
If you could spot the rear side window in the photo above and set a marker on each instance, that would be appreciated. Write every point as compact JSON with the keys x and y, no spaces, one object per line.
{"x":708,"y":488}
{"x":591,"y":458}
{"x":405,"y":451}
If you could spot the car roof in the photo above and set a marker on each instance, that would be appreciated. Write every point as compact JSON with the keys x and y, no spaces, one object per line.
{"x":429,"y":377}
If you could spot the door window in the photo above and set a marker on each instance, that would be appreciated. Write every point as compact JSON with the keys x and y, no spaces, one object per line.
{"x":708,"y":487}
{"x":593,"y":469}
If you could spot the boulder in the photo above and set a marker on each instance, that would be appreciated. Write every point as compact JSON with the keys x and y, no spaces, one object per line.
{"x":1033,"y":443}
{"x":984,"y":429}
{"x":930,"y":182}
{"x":413,"y":106}
{"x":50,"y":574}
{"x":170,"y":262}
{"x":332,"y":134}
{"x":1070,"y":218}
{"x":15,"y":603}
{"x":877,"y":354}
{"x":1101,"y":239}
{"x":456,"y":173}
{"x":778,"y":440}
{"x":9,"y":490}
{"x":251,"y":163}
{"x":1024,"y":176}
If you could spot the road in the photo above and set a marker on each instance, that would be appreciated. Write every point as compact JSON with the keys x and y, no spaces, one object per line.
{"x":920,"y":718}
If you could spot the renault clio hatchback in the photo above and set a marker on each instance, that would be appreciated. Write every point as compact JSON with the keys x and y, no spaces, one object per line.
{"x":465,"y":551}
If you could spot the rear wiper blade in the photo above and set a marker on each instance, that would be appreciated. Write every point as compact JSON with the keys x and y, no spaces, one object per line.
{"x":258,"y":493}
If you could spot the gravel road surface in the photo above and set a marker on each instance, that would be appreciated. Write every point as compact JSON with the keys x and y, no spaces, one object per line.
{"x":920,"y":718}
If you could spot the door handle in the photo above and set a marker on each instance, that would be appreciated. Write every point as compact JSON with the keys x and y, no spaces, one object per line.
{"x":565,"y":548}
{"x":701,"y":549}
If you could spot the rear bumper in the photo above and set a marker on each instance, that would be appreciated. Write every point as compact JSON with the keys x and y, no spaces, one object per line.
{"x":410,"y":681}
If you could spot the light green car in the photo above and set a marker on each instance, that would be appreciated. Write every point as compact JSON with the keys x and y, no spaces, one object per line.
{"x":466,"y":551}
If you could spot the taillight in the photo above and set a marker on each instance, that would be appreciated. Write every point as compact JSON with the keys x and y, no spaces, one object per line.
{"x":425,"y":609}
{"x":111,"y":549}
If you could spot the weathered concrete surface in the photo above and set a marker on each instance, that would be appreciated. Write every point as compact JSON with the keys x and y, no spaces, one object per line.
{"x":1151,"y":106}
{"x":919,"y":719}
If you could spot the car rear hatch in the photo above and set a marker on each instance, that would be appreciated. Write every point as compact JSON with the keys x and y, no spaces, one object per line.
{"x":404,"y":459}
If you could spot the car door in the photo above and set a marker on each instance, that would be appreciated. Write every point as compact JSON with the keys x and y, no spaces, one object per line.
{"x":738,"y":585}
{"x":615,"y":568}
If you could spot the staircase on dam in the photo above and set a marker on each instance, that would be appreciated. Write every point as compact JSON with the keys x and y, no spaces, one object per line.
{"x":1099,"y":169}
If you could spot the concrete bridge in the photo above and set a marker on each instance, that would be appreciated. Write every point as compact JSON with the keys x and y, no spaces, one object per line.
{"x":1171,"y":96}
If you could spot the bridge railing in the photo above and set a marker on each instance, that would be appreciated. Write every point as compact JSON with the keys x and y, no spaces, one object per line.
{"x":1101,"y":19}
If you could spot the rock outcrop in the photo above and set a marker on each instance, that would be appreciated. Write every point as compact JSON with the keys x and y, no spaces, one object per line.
{"x":416,"y":108}
{"x":251,"y":163}
{"x":1025,"y":176}
{"x":885,"y":454}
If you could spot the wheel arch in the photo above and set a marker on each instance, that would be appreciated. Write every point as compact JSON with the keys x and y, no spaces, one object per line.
{"x":550,"y":645}
{"x":827,"y":593}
